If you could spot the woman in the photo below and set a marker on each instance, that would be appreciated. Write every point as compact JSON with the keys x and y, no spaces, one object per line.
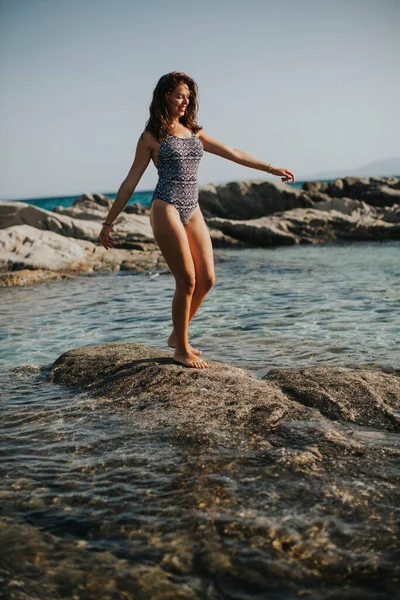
{"x":175,"y":143}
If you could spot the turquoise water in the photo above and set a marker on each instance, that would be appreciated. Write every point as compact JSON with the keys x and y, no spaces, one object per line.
{"x":67,"y":201}
{"x":337,"y":303}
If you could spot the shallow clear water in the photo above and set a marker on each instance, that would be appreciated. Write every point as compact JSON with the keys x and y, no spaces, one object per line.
{"x":293,"y":306}
{"x":100,"y":502}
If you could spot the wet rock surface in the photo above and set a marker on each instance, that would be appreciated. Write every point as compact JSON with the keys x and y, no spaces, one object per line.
{"x":365,"y":397}
{"x":153,"y":480}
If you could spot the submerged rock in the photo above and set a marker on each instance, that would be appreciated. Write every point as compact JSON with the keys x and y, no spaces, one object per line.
{"x":144,"y":478}
{"x":223,"y":399}
{"x":217,"y":402}
{"x":26,"y":277}
{"x":363,"y":397}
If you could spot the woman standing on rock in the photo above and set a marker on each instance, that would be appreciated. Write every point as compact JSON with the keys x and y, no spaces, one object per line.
{"x":175,"y":143}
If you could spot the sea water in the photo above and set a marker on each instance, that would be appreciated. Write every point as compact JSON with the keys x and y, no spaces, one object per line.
{"x":292,"y":306}
{"x":98,"y":503}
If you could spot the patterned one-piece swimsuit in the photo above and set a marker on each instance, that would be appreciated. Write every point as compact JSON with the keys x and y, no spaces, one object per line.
{"x":178,"y":161}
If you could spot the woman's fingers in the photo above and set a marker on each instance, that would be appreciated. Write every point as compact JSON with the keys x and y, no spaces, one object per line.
{"x":291,"y":175}
{"x":288,"y":175}
{"x":106,"y":240}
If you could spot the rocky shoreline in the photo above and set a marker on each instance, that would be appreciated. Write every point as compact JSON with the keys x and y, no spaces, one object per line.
{"x":308,"y":432}
{"x":241,"y":404}
{"x":40,"y":245}
{"x":171,"y":482}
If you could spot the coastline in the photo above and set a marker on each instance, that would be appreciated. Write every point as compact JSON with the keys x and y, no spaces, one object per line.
{"x":37,"y":245}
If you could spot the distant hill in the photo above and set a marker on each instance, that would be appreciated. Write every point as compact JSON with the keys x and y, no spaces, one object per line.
{"x":384,"y":167}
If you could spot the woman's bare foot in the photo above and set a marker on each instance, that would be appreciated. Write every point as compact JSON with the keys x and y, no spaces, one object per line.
{"x":190,"y":360}
{"x":172,"y":344}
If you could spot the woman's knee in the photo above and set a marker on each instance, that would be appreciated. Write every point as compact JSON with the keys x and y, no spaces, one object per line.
{"x":211,"y":280}
{"x":206,"y":282}
{"x":186,"y":282}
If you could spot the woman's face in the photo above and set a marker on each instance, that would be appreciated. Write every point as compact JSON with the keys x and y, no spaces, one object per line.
{"x":178,"y":100}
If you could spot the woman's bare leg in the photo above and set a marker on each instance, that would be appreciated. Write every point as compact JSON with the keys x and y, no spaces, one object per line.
{"x":203,"y":258}
{"x":172,"y":240}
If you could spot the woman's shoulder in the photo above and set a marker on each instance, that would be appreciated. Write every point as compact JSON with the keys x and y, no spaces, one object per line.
{"x":198,"y":131}
{"x":149,"y":139}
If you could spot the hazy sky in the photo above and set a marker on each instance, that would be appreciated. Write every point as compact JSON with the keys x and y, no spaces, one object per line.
{"x":308,"y":85}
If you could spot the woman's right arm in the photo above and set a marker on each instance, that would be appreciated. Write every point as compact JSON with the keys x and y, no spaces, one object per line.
{"x":128,"y":186}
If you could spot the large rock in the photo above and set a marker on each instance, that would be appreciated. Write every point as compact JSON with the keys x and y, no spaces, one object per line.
{"x":223,"y":400}
{"x":22,"y":213}
{"x":35,"y":253}
{"x":364,"y":397}
{"x":308,"y":226}
{"x":240,"y":200}
{"x":381,"y":196}
{"x":375,"y":191}
{"x":216,"y":402}
{"x":390,"y":214}
{"x":25,"y":247}
{"x":129,"y":229}
{"x":248,"y":213}
{"x":202,"y":483}
{"x":96,"y":207}
{"x":89,"y":207}
{"x":346,"y":206}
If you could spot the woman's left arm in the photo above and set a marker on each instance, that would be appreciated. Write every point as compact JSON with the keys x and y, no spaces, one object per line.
{"x":241,"y":157}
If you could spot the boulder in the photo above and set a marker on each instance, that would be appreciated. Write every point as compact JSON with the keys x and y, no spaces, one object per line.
{"x":242,"y":200}
{"x":382,"y":195}
{"x":390,"y":214}
{"x":374,"y":191}
{"x":364,"y":397}
{"x":25,"y":247}
{"x":87,"y":207}
{"x":302,"y":226}
{"x":315,"y":187}
{"x":226,"y":403}
{"x":130,"y":229}
{"x":96,"y":207}
{"x":346,"y":206}
{"x":22,"y":213}
{"x":195,"y":483}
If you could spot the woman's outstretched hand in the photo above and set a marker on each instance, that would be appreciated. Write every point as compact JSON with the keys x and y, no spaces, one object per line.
{"x":106,"y":239}
{"x":284,"y":174}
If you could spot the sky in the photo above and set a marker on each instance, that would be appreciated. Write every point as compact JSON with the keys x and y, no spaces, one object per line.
{"x":307,"y":85}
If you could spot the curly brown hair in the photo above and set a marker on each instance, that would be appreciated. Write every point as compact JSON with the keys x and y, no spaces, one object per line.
{"x":159,"y":123}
